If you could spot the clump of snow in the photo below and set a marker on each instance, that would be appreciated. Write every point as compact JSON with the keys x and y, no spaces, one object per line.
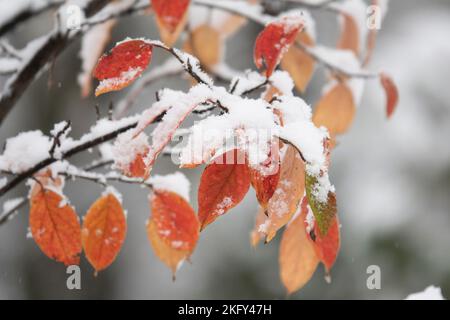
{"x":176,"y":182}
{"x":127,"y":147}
{"x":24,"y":151}
{"x":11,"y":204}
{"x":430,"y":293}
{"x":283,"y":82}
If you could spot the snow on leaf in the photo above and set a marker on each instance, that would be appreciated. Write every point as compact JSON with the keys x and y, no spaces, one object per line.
{"x":289,"y":191}
{"x":175,"y":182}
{"x":391,"y":93}
{"x":178,"y":106}
{"x":275,"y":40}
{"x":173,"y":258}
{"x":171,"y":16}
{"x":175,"y":220}
{"x":122,"y":65}
{"x":223,"y":185}
{"x":259,"y":231}
{"x":104,"y":231}
{"x":55,"y":227}
{"x":336,"y":109}
{"x":322,"y":200}
{"x":265,"y":178}
{"x":297,"y":257}
{"x":129,"y":152}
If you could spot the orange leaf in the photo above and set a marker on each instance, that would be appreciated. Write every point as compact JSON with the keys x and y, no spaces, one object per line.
{"x":175,"y":220}
{"x":173,"y":258}
{"x":297,"y":258}
{"x":274,"y":40}
{"x":299,"y":65}
{"x":104,"y":231}
{"x":222,"y":186}
{"x":122,"y":65}
{"x":349,"y":38}
{"x":289,"y":192}
{"x":206,"y":44}
{"x":55,"y":227}
{"x":257,"y":235}
{"x":391,"y":93}
{"x":171,"y":16}
{"x":335,"y":110}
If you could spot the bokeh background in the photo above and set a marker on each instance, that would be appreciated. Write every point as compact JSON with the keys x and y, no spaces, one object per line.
{"x":392,"y":179}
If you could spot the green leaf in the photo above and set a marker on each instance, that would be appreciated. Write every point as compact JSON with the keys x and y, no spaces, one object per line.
{"x":324,"y":212}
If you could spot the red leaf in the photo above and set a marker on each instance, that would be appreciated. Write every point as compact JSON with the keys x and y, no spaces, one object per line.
{"x":122,"y":65}
{"x":104,"y":230}
{"x":171,"y":16}
{"x":175,"y":220}
{"x":327,"y":246}
{"x":170,"y":13}
{"x":265,"y":181}
{"x":274,"y":40}
{"x":391,"y":93}
{"x":55,"y":226}
{"x":223,"y":185}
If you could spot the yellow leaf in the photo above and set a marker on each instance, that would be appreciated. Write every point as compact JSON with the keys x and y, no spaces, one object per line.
{"x":335,"y":110}
{"x":297,"y":259}
{"x":299,"y":64}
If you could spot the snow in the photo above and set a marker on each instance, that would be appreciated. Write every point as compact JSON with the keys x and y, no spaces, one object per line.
{"x":283,"y":82}
{"x":176,"y":182}
{"x":11,"y":204}
{"x":127,"y":147}
{"x":113,"y":191}
{"x":8,"y":12}
{"x":430,"y":293}
{"x":24,"y":151}
{"x":123,"y":79}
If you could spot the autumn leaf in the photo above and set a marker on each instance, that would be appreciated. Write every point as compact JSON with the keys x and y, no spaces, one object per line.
{"x":173,"y":258}
{"x":324,"y":211}
{"x":335,"y":110}
{"x":290,"y":189}
{"x":265,"y":178}
{"x":55,"y":226}
{"x":274,"y":40}
{"x":297,"y":257}
{"x":222,"y":186}
{"x":299,"y":64}
{"x":257,"y":233}
{"x":173,"y":229}
{"x":104,"y":231}
{"x":171,"y":17}
{"x":391,"y":93}
{"x":206,"y":43}
{"x":327,"y":246}
{"x":349,"y":38}
{"x":122,"y":65}
{"x":175,"y":219}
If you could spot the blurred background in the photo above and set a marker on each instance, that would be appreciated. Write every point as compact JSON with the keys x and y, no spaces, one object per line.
{"x":392,"y":180}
